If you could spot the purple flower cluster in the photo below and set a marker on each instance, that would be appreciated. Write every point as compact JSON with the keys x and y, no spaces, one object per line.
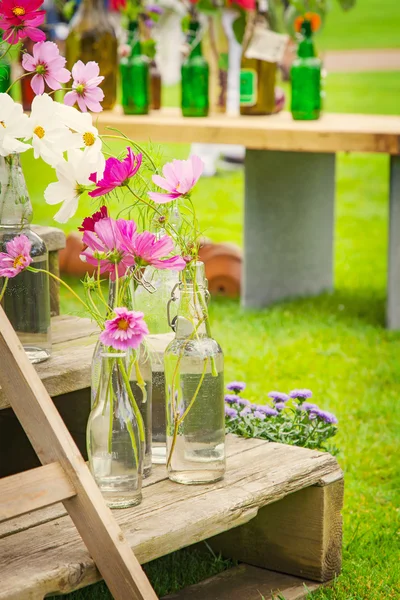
{"x":278,"y":396}
{"x":236,"y":386}
{"x":315,"y":412}
{"x":301,"y":394}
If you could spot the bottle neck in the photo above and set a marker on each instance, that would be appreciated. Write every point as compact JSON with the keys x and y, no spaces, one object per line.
{"x":120,"y":293}
{"x":134,"y":39}
{"x":193,"y":39}
{"x":192,"y":312}
{"x":93,"y":6}
{"x":262,"y":15}
{"x":15,"y":204}
{"x":306,"y":47}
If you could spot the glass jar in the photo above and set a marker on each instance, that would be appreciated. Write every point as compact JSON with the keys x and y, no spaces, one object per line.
{"x":194,"y":380}
{"x":139,"y":366}
{"x":115,"y":434}
{"x":26,"y":301}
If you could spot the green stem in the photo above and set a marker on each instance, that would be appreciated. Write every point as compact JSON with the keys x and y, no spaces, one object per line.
{"x":180,"y":420}
{"x":3,"y":289}
{"x":111,"y":399}
{"x":135,"y":407}
{"x":33,"y":270}
{"x":18,"y":79}
{"x":124,"y":137}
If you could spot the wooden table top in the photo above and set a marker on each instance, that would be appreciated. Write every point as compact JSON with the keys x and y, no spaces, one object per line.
{"x":332,"y":133}
{"x":68,"y":369}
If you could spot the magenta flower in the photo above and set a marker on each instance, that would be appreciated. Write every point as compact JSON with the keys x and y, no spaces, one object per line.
{"x":20,"y":19}
{"x":127,"y":330}
{"x":89,"y":222}
{"x":117,"y":173}
{"x":106,"y":246}
{"x":48,"y":66}
{"x":17,"y":257}
{"x":148,"y":250}
{"x":180,"y":176}
{"x":85,"y":88}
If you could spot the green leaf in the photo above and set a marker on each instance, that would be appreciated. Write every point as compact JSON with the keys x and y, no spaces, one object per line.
{"x":239,"y":26}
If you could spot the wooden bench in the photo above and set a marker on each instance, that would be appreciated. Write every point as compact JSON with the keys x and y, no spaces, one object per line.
{"x":289,"y":191}
{"x":279,"y":508}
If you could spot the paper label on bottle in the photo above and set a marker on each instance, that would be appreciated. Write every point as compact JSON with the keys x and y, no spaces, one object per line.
{"x":267,"y":45}
{"x":248,"y":87}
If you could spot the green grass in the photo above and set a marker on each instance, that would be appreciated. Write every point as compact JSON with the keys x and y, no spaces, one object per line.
{"x":335,"y":344}
{"x":371,"y":24}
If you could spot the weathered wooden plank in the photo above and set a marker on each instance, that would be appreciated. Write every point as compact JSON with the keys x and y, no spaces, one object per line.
{"x":332,"y":133}
{"x":234,"y":446}
{"x":53,"y":237}
{"x":50,"y":438}
{"x":170,"y":517}
{"x":33,"y":489}
{"x":300,"y":535}
{"x":245,"y":582}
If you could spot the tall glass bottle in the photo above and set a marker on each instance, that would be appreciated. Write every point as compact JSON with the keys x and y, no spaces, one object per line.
{"x":115,"y":434}
{"x":139,"y":366}
{"x":27,"y":297}
{"x":306,"y":79}
{"x":5,"y":75}
{"x":257,"y":77}
{"x":92,"y":37}
{"x":134,"y":71}
{"x":195,"y":76}
{"x":194,"y":380}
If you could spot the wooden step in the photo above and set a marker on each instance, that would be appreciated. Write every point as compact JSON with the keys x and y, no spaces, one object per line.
{"x":245,"y":582}
{"x":42,"y":553}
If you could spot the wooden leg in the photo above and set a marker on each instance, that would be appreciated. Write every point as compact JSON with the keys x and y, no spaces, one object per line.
{"x":393,"y":301}
{"x":54,"y":285}
{"x":299,"y":535}
{"x":289,"y":225}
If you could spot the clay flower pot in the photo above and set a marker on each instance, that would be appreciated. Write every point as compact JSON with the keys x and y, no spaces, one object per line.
{"x":70,"y":262}
{"x":223,"y":263}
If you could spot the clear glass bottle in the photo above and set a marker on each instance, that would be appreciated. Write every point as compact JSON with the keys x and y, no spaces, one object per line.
{"x":306,"y":78}
{"x":92,"y":37}
{"x":140,"y":373}
{"x":135,"y":80}
{"x":195,"y":76}
{"x":27,"y":297}
{"x":194,"y":380}
{"x":115,"y":434}
{"x":257,"y":77}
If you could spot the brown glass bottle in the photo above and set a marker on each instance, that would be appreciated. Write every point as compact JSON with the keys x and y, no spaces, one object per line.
{"x":257,"y":77}
{"x":92,"y":37}
{"x":155,"y":86}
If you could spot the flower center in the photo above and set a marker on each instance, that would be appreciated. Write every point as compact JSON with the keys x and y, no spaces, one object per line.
{"x":88,"y":138}
{"x":178,"y":187}
{"x":39,"y":131}
{"x":123,"y":324}
{"x":18,"y":11}
{"x":79,"y":189}
{"x":3,"y":124}
{"x":40,"y":69}
{"x":18,"y":261}
{"x":80,"y":88}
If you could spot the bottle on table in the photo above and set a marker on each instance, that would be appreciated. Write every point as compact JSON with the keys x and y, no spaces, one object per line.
{"x":92,"y":37}
{"x":134,"y":70}
{"x":306,"y":78}
{"x":195,"y":76}
{"x":257,"y":76}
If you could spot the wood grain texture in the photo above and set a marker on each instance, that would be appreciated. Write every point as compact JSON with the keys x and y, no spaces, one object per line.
{"x":53,"y":238}
{"x":300,"y":535}
{"x":332,"y":133}
{"x":245,"y":582}
{"x":33,"y":489}
{"x":170,"y":517}
{"x":74,"y":340}
{"x":52,"y":442}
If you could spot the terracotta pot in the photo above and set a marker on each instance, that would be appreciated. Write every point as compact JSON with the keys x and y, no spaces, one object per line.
{"x":223,"y":264}
{"x":70,"y":262}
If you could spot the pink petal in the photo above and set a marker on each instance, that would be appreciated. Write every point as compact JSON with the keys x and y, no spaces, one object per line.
{"x":92,"y":105}
{"x":36,"y":35}
{"x":81,"y":103}
{"x":70,"y":98}
{"x":37,"y":84}
{"x":170,"y":174}
{"x":163,"y":183}
{"x":78,"y":70}
{"x":197,"y":166}
{"x":91,"y":70}
{"x":28,"y":62}
{"x":163,"y":198}
{"x":52,"y":82}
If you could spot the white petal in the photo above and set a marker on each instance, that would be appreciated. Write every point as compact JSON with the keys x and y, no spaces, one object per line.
{"x":67,"y":210}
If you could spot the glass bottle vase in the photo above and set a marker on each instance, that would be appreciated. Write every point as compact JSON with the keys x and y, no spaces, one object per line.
{"x":26,"y":301}
{"x":115,"y":434}
{"x":194,"y":379}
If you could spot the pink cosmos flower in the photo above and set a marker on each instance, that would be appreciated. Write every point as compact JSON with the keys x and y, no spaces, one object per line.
{"x":127,"y":330}
{"x":20,"y":19}
{"x":180,"y":176}
{"x":117,"y":173}
{"x":106,"y":245}
{"x":85,"y":88}
{"x":89,"y":222}
{"x":48,"y":66}
{"x":148,"y":250}
{"x":17,"y":257}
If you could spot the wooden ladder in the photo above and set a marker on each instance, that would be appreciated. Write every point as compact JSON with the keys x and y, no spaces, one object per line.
{"x":64,"y":476}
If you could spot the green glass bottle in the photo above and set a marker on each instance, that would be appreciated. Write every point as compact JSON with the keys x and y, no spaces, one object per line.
{"x":134,"y":71}
{"x":5,"y":75}
{"x":306,"y":79}
{"x":195,"y":77}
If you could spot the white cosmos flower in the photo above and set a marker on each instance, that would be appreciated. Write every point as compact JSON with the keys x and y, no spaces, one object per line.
{"x":50,"y":137}
{"x":86,"y":136}
{"x":13,"y":125}
{"x":73,"y":177}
